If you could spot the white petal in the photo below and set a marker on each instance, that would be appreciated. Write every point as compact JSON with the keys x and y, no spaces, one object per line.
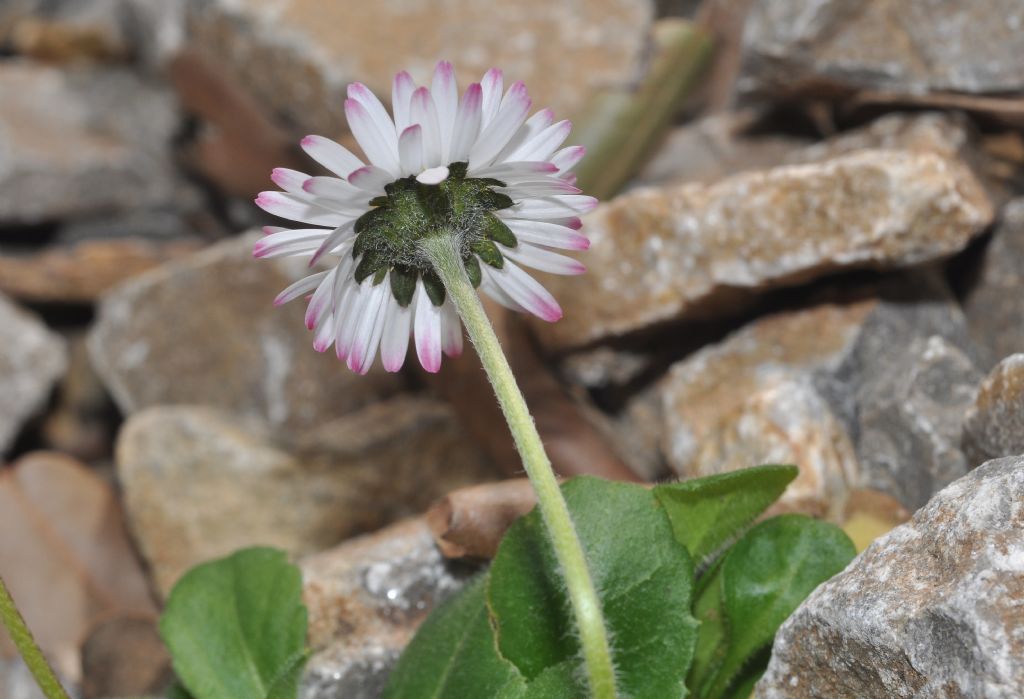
{"x":539,"y":188}
{"x":410,"y":150}
{"x":320,"y":303}
{"x":288,"y":180}
{"x":446,"y":99}
{"x":333,"y":243}
{"x":546,"y":233}
{"x":298,"y":208}
{"x":337,"y":189}
{"x":527,"y":292}
{"x":424,"y":113}
{"x":323,"y":334}
{"x":433,"y":175}
{"x":427,"y":328}
{"x":401,"y":96}
{"x":395,"y":341}
{"x":492,"y":289}
{"x":467,"y":124}
{"x":300,"y":288}
{"x":514,"y":108}
{"x":492,"y":84}
{"x":289,"y":242}
{"x":378,"y":149}
{"x":349,"y":310}
{"x":533,"y":127}
{"x":542,"y":145}
{"x":378,"y":113}
{"x":544,"y":260}
{"x":371,"y":179}
{"x":333,"y":156}
{"x":559,"y":206}
{"x":371,"y":327}
{"x":514,"y":171}
{"x":567,"y":158}
{"x":451,"y":329}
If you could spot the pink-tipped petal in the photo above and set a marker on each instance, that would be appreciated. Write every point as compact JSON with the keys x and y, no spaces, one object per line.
{"x":298,"y":208}
{"x":288,"y":180}
{"x":446,"y":99}
{"x":380,"y":151}
{"x":401,"y":96}
{"x":467,"y":123}
{"x":557,"y":206}
{"x":427,"y":329}
{"x":395,"y":342}
{"x":543,"y":144}
{"x":378,"y":113}
{"x":371,"y":179}
{"x":290,"y":242}
{"x":495,"y":136}
{"x":451,"y":330}
{"x":544,"y":260}
{"x":512,"y":172}
{"x":424,"y":113}
{"x":549,"y":234}
{"x":492,"y":289}
{"x":527,"y":292}
{"x":299,"y":288}
{"x":410,"y":150}
{"x":333,"y":156}
{"x":321,"y":301}
{"x":492,"y":85}
{"x":371,"y":327}
{"x":333,"y":188}
{"x":567,"y":158}
{"x":540,"y":188}
{"x":332,"y":243}
{"x":526,"y":133}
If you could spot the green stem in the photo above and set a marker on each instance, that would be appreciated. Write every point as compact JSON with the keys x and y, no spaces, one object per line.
{"x":26,"y":645}
{"x":586,"y":606}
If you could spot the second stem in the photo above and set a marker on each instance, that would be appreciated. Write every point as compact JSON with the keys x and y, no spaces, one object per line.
{"x":586,"y":606}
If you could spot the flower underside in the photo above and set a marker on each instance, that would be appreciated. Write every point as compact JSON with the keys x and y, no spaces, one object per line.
{"x":388,"y":236}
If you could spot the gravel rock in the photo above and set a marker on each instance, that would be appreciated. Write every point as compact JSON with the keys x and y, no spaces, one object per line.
{"x":932,"y":609}
{"x":562,"y":49}
{"x":366,"y":599}
{"x":106,"y":149}
{"x":695,"y":250}
{"x":32,"y":358}
{"x":994,"y":305}
{"x":203,"y":331}
{"x":994,"y":425}
{"x":908,"y":48}
{"x":199,"y":484}
{"x":868,"y":393}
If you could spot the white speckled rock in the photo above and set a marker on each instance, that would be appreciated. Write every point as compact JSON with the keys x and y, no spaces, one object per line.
{"x":696,"y":250}
{"x":994,"y":425}
{"x":934,"y":609}
{"x":203,"y":331}
{"x":32,"y":358}
{"x":366,"y":599}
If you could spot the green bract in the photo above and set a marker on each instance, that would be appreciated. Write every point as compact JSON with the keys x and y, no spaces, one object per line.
{"x":388,"y":236}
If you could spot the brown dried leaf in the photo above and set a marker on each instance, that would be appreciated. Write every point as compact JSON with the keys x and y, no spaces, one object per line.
{"x":65,"y":554}
{"x":470,"y":522}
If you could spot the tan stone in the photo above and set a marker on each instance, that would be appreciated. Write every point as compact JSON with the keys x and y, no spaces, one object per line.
{"x":994,"y":425}
{"x":199,"y":484}
{"x":298,"y":55}
{"x":366,"y":598}
{"x":203,"y":331}
{"x":695,"y":250}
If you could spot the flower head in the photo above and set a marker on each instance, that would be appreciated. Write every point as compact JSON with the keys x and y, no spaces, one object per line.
{"x":472,"y":167}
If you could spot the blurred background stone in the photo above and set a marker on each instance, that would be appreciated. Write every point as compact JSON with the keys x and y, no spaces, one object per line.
{"x":994,"y":425}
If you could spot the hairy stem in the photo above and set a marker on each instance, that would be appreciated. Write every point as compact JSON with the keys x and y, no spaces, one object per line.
{"x":26,"y":645}
{"x":586,"y":606}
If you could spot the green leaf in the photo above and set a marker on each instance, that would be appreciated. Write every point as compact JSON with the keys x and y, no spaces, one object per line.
{"x":236,"y":627}
{"x":764,"y":577}
{"x":645,"y":581}
{"x":453,"y":654}
{"x":707,"y":512}
{"x":712,"y":635}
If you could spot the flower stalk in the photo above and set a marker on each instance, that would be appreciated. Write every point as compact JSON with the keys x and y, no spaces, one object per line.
{"x":26,"y":645}
{"x":586,"y":607}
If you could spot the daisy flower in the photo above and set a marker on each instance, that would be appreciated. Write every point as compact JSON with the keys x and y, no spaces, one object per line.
{"x":473,"y":167}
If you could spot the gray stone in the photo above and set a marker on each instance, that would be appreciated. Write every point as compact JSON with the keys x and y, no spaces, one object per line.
{"x":933,"y":609}
{"x":32,"y":358}
{"x":994,"y":425}
{"x":199,"y":484}
{"x":864,"y":394}
{"x":107,"y":148}
{"x":695,"y":250}
{"x":366,"y":599}
{"x":562,"y":49}
{"x":203,"y":331}
{"x":899,"y":46}
{"x":994,"y":305}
